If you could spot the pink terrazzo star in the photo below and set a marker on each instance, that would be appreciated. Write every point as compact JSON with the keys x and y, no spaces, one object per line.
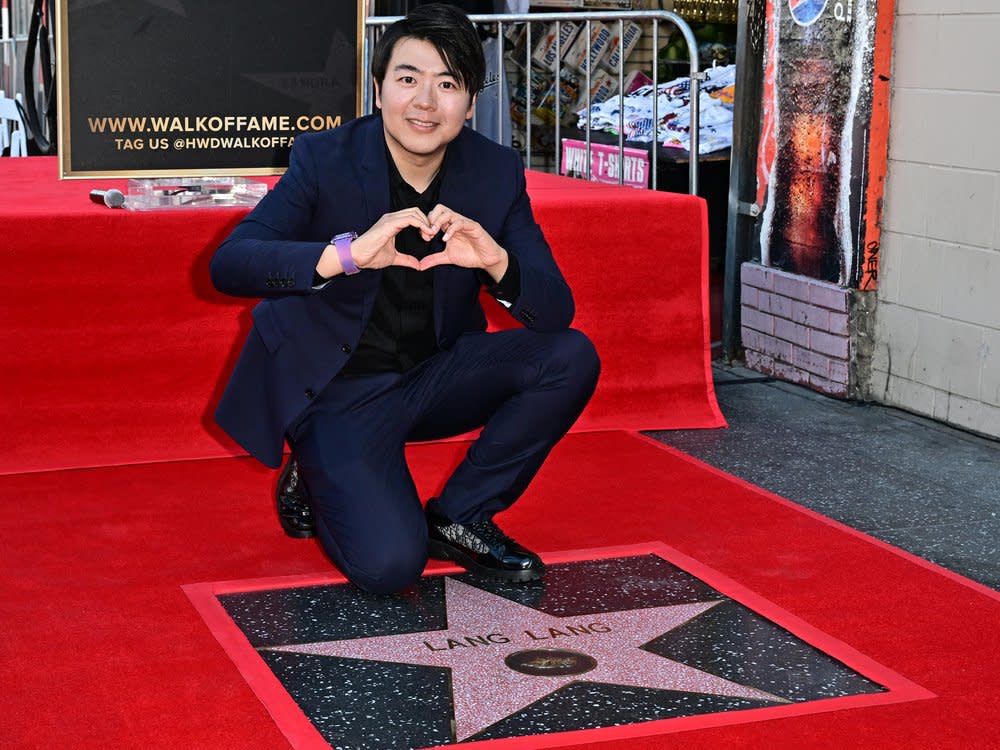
{"x":484,"y":629}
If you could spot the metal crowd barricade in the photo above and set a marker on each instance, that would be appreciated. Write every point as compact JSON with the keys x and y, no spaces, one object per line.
{"x":376,"y":24}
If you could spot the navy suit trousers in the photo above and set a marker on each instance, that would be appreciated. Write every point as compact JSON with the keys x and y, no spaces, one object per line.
{"x":524,"y":388}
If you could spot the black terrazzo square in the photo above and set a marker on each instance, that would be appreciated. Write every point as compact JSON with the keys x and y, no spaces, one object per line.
{"x":618,"y":641}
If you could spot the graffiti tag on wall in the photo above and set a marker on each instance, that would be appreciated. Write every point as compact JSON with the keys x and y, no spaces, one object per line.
{"x":821,"y":161}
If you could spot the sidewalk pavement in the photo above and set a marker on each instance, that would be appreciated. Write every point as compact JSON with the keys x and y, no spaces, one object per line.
{"x":915,"y":483}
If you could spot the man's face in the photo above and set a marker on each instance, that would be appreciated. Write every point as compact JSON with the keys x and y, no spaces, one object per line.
{"x":423,"y":106}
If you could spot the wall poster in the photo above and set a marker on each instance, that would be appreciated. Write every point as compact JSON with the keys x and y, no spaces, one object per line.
{"x":199,"y":87}
{"x":822,"y":155}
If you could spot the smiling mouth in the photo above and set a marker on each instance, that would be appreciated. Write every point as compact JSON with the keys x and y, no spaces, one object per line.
{"x":422,"y":124}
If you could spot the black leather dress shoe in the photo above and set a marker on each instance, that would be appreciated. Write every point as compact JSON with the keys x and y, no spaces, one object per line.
{"x":294,"y":512}
{"x":480,"y":547}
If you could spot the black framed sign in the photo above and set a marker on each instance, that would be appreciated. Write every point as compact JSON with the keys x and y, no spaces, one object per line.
{"x":199,"y":87}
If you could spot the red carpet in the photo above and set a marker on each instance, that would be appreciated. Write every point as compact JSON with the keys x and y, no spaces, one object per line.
{"x":114,"y":347}
{"x":102,"y":648}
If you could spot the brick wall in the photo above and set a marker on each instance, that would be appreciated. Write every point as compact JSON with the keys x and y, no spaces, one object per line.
{"x":937,"y":333}
{"x":796,"y":328}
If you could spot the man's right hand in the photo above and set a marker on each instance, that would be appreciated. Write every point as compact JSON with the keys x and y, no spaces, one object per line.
{"x":376,"y":248}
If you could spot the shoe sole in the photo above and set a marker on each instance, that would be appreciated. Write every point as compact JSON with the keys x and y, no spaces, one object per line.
{"x":297,"y":533}
{"x":441,"y":551}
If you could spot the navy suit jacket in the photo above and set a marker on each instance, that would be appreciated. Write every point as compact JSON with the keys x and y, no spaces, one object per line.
{"x":337,"y":181}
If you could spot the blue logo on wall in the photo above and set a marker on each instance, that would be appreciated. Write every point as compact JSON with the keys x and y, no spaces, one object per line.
{"x":806,"y":12}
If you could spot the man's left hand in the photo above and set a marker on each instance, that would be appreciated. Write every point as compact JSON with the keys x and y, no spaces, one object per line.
{"x":466,"y":244}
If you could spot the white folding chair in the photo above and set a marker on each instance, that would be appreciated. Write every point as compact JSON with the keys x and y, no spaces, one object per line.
{"x":12,"y":128}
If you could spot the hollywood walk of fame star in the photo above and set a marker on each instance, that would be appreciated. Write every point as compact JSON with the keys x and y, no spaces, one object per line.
{"x":487,"y":632}
{"x":312,"y":87}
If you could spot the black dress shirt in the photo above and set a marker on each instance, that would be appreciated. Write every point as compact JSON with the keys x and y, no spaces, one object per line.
{"x":400,"y":333}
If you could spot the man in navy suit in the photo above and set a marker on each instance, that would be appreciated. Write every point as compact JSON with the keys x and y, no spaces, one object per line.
{"x":370,"y":254}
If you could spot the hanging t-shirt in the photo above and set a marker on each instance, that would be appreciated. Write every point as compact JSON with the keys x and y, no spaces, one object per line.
{"x":492,"y":112}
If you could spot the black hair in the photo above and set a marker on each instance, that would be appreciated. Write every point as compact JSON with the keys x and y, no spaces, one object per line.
{"x":453,"y":36}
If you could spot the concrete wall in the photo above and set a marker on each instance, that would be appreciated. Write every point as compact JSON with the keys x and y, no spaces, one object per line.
{"x":937,"y":333}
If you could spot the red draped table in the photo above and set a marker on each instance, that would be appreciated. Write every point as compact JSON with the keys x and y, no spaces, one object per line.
{"x":114,"y":346}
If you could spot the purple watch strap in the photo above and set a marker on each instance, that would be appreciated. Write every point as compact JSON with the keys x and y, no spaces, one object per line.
{"x":343,"y":244}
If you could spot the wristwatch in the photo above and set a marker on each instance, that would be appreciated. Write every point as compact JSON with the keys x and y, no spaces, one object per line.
{"x":343,"y":244}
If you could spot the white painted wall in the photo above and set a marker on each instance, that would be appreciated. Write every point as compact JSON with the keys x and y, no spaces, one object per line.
{"x":938,"y":317}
